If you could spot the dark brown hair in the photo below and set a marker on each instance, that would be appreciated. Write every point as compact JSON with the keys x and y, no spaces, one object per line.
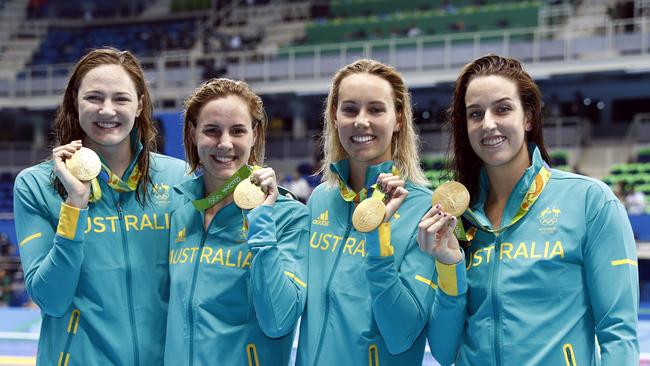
{"x":465,"y":163}
{"x":66,"y":124}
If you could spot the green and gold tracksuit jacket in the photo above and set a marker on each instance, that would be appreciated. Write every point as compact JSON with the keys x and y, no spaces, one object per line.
{"x":99,"y":275}
{"x":371,"y":295}
{"x":236,"y":289}
{"x":560,"y":272}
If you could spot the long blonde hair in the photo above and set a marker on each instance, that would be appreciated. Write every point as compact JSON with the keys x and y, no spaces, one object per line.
{"x":404,"y":143}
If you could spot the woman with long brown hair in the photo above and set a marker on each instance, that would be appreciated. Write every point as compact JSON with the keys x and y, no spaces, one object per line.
{"x":551,"y":258}
{"x":95,"y":251}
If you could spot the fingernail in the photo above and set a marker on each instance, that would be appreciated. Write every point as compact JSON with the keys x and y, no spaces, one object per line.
{"x":439,"y":213}
{"x":445,"y":215}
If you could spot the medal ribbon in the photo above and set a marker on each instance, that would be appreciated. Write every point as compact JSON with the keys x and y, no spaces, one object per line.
{"x":113,"y":181}
{"x":349,"y":195}
{"x":224,"y":191}
{"x":535,"y":189}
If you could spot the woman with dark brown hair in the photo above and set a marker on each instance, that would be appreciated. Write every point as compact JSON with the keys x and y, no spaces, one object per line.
{"x":551,"y":259}
{"x":95,"y":251}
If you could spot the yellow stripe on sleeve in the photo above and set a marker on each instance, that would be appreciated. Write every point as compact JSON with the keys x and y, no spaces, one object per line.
{"x":29,"y":238}
{"x":447,"y":278}
{"x":385,"y":249}
{"x":295,"y":278}
{"x":68,"y":218}
{"x":621,"y":262}
{"x":427,"y":281}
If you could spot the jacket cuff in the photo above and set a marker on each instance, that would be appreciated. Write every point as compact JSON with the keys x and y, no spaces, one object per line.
{"x":69,"y":222}
{"x":378,"y":241}
{"x":261,"y":226}
{"x":452,"y":278}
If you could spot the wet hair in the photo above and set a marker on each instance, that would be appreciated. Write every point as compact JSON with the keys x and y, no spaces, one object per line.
{"x":465,"y":163}
{"x":221,"y":88}
{"x":66,"y":124}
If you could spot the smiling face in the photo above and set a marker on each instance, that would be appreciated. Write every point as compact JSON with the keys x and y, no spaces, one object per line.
{"x":497,"y":123}
{"x":223,"y":137}
{"x":108,"y":105}
{"x":366,"y":118}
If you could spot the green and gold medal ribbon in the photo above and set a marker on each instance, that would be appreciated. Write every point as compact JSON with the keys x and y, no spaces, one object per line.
{"x":114,"y":182}
{"x":349,"y":195}
{"x":535,"y":189}
{"x":224,"y":191}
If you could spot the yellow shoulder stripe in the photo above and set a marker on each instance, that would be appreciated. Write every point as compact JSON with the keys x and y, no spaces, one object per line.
{"x":31,"y":237}
{"x":620,"y":262}
{"x":295,"y":278}
{"x":427,"y":281}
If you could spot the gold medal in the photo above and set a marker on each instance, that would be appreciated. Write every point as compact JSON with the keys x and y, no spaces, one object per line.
{"x":369,"y":214}
{"x":248,"y":195}
{"x":84,"y":164}
{"x":452,"y":196}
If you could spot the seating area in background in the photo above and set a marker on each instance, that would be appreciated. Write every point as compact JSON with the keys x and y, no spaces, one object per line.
{"x":190,"y":5}
{"x":636,"y":174}
{"x":376,"y":19}
{"x":6,"y":191}
{"x":68,"y":44}
{"x":85,"y":9}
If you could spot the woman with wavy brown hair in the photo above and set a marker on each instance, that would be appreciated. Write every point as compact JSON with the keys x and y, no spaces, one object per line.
{"x":551,"y":258}
{"x":94,"y":251}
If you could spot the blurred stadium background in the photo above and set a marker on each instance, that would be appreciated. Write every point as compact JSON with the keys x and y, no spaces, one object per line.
{"x":590,"y":57}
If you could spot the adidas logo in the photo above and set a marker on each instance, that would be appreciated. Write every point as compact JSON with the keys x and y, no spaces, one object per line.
{"x":323,"y":219}
{"x":180,"y":237}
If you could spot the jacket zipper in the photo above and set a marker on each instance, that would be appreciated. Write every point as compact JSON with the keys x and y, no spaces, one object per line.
{"x":190,"y":301}
{"x":496,"y":329}
{"x":329,"y":284}
{"x":129,"y":284}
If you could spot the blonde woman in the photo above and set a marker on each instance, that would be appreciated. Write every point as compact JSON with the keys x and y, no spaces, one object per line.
{"x":371,"y":294}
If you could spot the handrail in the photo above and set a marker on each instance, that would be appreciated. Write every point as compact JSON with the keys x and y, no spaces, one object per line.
{"x":426,"y":53}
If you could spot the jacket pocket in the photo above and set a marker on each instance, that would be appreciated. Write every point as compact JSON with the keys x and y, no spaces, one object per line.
{"x":73,"y":324}
{"x":373,"y":355}
{"x":569,"y":356}
{"x":251,"y":352}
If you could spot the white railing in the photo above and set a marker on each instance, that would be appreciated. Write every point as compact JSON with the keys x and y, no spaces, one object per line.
{"x":427,"y":59}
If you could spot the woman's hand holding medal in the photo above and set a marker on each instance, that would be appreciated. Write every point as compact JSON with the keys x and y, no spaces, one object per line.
{"x":381,"y":206}
{"x":76,"y":166}
{"x":436,"y":229}
{"x":260,"y":188}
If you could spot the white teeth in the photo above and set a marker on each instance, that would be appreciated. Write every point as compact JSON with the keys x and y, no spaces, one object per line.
{"x":362,"y":138}
{"x":494,"y":140}
{"x":224,"y":159}
{"x":107,"y":124}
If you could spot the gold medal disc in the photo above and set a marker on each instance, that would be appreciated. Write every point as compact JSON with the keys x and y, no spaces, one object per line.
{"x":84,"y":164}
{"x":368,"y":215}
{"x":248,"y":195}
{"x":452,"y":196}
